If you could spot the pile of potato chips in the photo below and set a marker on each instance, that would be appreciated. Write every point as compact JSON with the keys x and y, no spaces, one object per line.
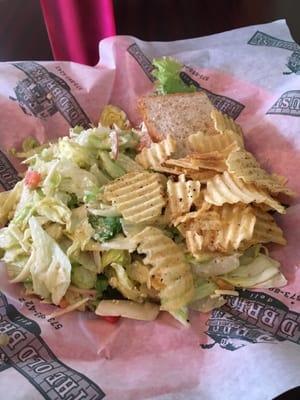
{"x":217,"y":195}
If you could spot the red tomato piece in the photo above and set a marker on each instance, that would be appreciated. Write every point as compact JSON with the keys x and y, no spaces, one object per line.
{"x":111,"y":319}
{"x":32,"y":179}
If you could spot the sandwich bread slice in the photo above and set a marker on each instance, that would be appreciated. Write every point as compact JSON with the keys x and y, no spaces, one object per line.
{"x":178,"y":114}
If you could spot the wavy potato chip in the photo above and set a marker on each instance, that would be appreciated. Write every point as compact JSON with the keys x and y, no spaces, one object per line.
{"x":202,"y":208}
{"x":224,"y":123}
{"x":197,"y":162}
{"x":222,"y":229}
{"x":111,"y":115}
{"x":170,"y":274}
{"x":198,"y":175}
{"x":201,"y":143}
{"x":213,"y":160}
{"x":138,"y":196}
{"x":181,"y":195}
{"x":226,"y":188}
{"x":157,"y":153}
{"x":266,"y":229}
{"x":243,"y":165}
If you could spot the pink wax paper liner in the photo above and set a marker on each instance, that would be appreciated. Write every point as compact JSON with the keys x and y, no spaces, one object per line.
{"x":247,"y":349}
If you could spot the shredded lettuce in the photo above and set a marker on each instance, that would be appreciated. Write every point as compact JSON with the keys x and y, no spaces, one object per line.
{"x":101,"y":284}
{"x":260,"y":270}
{"x":105,"y":227}
{"x":119,"y":280}
{"x":9,"y":201}
{"x":250,"y":254}
{"x":182,"y":315}
{"x":167,"y":72}
{"x":79,"y":230}
{"x":50,"y":269}
{"x":203,"y":288}
{"x":54,"y":210}
{"x":208,"y":303}
{"x":71,"y":150}
{"x":121,"y":257}
{"x":92,"y":195}
{"x":83,"y":278}
{"x":73,"y":201}
{"x":111,"y":167}
{"x":101,"y":176}
{"x":216,"y":266}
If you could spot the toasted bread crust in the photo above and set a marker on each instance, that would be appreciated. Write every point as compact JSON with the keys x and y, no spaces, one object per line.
{"x":155,"y":135}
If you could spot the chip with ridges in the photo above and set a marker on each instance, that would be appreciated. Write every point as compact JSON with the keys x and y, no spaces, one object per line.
{"x":223,"y":123}
{"x":266,"y":229}
{"x":201,"y":143}
{"x":226,"y":188}
{"x":138,"y":196}
{"x":243,"y":165}
{"x":181,"y":195}
{"x":221,"y":230}
{"x":170,"y":274}
{"x":157,"y":153}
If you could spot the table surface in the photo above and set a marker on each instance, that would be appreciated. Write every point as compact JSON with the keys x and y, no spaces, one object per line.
{"x":23,"y":35}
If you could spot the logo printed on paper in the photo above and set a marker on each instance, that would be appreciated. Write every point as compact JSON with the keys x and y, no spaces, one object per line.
{"x":287,"y":104}
{"x":225,"y":104}
{"x":252,"y":317}
{"x":42,"y":94}
{"x":27,"y":353}
{"x":141,"y":59}
{"x":8,"y":174}
{"x":263,"y":39}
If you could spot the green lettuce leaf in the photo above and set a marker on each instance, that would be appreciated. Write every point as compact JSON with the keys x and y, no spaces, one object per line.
{"x":8,"y":202}
{"x":216,"y":266}
{"x":119,"y":280}
{"x":167,"y":72}
{"x":260,"y":270}
{"x":79,"y":230}
{"x":203,"y":288}
{"x":82,"y":277}
{"x":181,"y":315}
{"x":208,"y":303}
{"x":51,"y":268}
{"x":54,"y":210}
{"x":121,"y":257}
{"x":70,"y":150}
{"x":110,"y":167}
{"x":105,"y":227}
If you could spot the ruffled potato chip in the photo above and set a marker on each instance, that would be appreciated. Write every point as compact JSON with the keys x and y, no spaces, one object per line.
{"x":243,"y":165}
{"x":201,"y":143}
{"x":213,"y":160}
{"x":201,"y":175}
{"x":181,"y":195}
{"x":222,"y":229}
{"x":138,"y":196}
{"x":266,"y":229}
{"x":170,"y":274}
{"x":113,"y":115}
{"x":157,"y":153}
{"x":226,"y":188}
{"x":223,"y":123}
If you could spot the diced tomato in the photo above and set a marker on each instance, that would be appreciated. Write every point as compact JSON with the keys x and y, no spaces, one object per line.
{"x":63,"y":303}
{"x":111,"y":319}
{"x":32,"y":179}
